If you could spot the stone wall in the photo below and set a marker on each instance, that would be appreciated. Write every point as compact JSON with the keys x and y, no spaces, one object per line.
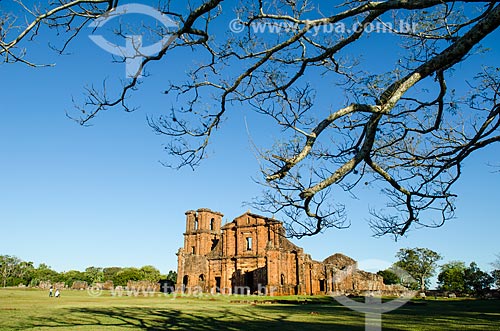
{"x":143,"y":285}
{"x":47,"y":284}
{"x":79,"y":285}
{"x":107,"y":285}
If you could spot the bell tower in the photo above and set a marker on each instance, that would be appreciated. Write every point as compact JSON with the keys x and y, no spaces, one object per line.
{"x":203,"y":229}
{"x":203,"y":232}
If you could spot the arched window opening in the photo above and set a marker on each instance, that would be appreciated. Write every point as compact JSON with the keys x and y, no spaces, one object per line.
{"x":185,"y":281}
{"x":212,"y":224}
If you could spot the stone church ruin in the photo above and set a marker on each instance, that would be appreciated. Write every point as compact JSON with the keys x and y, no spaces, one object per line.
{"x":251,"y":255}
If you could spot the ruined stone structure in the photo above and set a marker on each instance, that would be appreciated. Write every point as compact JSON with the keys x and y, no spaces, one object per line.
{"x":143,"y":285}
{"x":79,"y":285}
{"x":251,"y":255}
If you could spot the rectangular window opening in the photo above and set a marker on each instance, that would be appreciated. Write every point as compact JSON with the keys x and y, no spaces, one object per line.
{"x":249,"y":243}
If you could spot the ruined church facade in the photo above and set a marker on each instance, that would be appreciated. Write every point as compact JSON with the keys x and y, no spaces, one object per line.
{"x":251,"y":255}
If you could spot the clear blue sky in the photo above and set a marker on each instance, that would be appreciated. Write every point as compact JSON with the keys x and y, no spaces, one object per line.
{"x":73,"y":196}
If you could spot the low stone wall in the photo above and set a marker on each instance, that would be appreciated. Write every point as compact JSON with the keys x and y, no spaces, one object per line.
{"x":107,"y":285}
{"x":79,"y":285}
{"x":47,"y":284}
{"x":143,"y":285}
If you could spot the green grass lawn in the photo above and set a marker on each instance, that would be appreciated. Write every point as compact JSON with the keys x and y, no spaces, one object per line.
{"x":30,"y":309}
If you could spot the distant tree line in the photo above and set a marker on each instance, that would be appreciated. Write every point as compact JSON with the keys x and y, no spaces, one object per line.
{"x":416,"y":266}
{"x":15,"y":272}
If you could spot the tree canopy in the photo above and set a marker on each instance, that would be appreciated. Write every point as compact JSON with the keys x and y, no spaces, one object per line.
{"x":344,"y":116}
{"x":496,"y":264}
{"x":496,"y":277}
{"x":14,"y":272}
{"x":476,"y":280}
{"x":389,"y":276}
{"x":452,"y":277}
{"x":458,"y":278}
{"x":420,"y":263}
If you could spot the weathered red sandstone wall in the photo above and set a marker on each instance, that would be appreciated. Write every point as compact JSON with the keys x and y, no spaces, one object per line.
{"x":251,"y":253}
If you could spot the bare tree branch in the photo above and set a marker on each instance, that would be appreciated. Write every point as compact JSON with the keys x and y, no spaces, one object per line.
{"x":399,"y":128}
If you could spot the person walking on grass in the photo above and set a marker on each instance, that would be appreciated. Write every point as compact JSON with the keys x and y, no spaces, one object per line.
{"x":57,"y":293}
{"x":50,"y":292}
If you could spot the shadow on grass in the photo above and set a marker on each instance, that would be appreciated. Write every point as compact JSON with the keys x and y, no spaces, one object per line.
{"x":206,"y":315}
{"x":452,"y":314}
{"x":233,"y":317}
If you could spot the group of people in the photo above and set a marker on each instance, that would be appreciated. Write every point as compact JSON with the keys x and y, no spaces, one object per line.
{"x":51,"y":292}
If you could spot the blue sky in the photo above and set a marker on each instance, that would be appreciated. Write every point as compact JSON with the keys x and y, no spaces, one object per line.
{"x":73,"y":196}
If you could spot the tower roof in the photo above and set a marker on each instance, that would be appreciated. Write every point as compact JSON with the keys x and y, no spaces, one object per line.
{"x":203,"y":210}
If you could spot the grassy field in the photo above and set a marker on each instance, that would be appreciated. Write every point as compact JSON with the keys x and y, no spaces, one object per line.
{"x":29,"y":309}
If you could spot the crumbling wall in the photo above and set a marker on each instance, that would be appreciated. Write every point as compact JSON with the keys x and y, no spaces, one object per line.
{"x":79,"y":285}
{"x":143,"y":285}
